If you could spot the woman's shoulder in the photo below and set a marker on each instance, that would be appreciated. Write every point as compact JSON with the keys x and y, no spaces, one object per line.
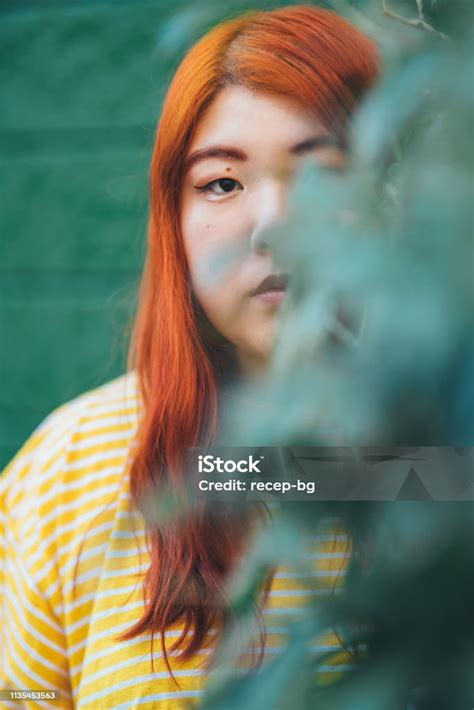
{"x":111,"y":398}
{"x":83,"y":432}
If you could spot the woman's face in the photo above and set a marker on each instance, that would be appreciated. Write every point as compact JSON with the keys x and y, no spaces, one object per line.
{"x":245,"y":149}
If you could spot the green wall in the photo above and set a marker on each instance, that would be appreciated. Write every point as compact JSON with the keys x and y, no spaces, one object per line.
{"x":81,"y":88}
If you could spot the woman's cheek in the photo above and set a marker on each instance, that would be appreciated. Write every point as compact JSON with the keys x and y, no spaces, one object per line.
{"x":217,"y":244}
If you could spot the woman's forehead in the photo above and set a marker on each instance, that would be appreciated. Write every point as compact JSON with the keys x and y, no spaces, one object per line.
{"x":255,"y":122}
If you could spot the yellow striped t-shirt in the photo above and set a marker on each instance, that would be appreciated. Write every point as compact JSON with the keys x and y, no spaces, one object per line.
{"x":67,"y":492}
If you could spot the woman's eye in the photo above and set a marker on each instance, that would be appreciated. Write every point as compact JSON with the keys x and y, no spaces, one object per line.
{"x":221,"y":186}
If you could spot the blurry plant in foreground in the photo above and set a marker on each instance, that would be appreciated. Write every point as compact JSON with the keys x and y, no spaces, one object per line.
{"x":376,"y":348}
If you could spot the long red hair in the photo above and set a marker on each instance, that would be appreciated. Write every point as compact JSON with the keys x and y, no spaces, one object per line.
{"x":324,"y":62}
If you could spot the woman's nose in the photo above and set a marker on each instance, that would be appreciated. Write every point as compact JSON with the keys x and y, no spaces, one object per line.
{"x":270,"y":208}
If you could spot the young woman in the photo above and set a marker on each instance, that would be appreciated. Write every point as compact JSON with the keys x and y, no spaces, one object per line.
{"x":88,"y":581}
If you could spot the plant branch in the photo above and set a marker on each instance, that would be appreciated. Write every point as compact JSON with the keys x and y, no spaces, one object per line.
{"x":419,"y":6}
{"x":419,"y":23}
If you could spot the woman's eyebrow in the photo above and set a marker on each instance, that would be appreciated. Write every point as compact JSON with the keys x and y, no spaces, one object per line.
{"x":215,"y":151}
{"x":309,"y":144}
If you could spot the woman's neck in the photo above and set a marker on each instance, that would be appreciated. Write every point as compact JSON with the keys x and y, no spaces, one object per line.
{"x":251,"y":367}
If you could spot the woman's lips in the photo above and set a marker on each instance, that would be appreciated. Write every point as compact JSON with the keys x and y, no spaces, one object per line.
{"x":272,"y":289}
{"x":272,"y":297}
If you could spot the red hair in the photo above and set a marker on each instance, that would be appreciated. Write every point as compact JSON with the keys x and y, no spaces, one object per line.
{"x":324,"y":62}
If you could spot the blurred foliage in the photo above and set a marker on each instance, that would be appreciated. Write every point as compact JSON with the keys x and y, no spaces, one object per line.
{"x":378,"y":328}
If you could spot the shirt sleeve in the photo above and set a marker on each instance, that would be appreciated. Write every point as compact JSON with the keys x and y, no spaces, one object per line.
{"x":33,"y":650}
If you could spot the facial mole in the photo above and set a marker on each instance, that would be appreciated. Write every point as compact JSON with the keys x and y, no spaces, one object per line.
{"x":227,"y":169}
